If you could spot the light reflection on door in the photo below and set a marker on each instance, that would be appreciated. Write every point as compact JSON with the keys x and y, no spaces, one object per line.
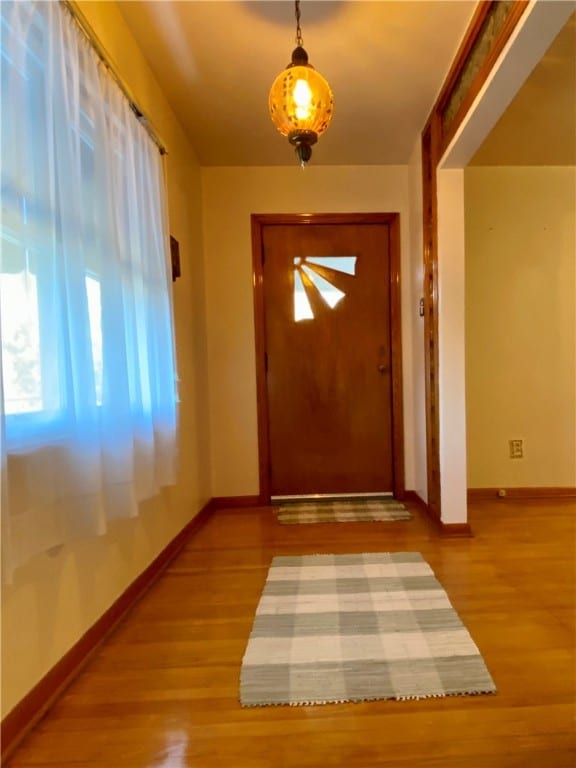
{"x":307,"y":277}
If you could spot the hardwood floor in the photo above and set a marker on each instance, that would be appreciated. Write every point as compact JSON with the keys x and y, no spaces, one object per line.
{"x":163,"y":691}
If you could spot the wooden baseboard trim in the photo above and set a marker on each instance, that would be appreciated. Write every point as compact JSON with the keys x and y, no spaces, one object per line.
{"x":415,"y":498}
{"x":456,"y":530}
{"x":233,"y":502}
{"x":26,"y":714}
{"x":489,"y":494}
{"x":446,"y":530}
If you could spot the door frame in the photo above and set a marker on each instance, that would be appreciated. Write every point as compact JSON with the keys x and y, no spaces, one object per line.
{"x":258,"y":222}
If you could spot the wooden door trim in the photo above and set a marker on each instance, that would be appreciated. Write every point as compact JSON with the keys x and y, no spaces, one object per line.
{"x":396,"y":351}
{"x":258,"y":222}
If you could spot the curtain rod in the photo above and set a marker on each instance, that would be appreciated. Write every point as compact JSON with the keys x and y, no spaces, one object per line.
{"x":86,"y":29}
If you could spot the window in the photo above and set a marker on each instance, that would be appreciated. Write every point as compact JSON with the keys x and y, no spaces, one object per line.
{"x":87,"y":356}
{"x":315,"y":274}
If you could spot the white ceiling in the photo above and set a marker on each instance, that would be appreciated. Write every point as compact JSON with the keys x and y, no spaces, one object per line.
{"x":216,"y":60}
{"x":386,"y":61}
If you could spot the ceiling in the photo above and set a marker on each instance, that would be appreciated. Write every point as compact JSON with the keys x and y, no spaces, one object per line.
{"x":385,"y":61}
{"x":216,"y":60}
{"x":539,"y":125}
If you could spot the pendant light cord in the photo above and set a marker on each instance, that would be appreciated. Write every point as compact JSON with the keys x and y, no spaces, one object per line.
{"x":299,"y":41}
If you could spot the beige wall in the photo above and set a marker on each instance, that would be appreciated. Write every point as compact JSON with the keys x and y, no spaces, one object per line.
{"x":230,"y":195}
{"x":521,"y":325}
{"x":56,"y":598}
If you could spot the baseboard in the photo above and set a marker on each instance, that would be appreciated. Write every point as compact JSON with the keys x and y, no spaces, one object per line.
{"x":489,"y":494}
{"x":235,"y":502}
{"x":456,"y":530}
{"x":415,"y":498}
{"x":35,"y":704}
{"x":446,"y":530}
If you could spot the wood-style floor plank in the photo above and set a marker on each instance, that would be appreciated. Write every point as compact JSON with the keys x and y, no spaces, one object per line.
{"x":162,"y":692}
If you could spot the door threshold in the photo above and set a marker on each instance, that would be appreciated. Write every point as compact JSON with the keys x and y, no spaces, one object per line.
{"x":329,"y":496}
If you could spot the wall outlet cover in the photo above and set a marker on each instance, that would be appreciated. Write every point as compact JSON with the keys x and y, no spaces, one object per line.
{"x":516,"y":449}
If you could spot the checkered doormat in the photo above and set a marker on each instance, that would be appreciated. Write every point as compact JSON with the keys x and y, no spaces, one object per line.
{"x":342,"y":511}
{"x":336,"y":628}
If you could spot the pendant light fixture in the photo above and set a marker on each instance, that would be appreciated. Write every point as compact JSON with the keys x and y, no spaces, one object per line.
{"x":300,"y":100}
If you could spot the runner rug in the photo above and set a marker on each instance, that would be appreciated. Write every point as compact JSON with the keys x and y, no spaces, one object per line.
{"x":349,"y":511}
{"x":338,"y":628}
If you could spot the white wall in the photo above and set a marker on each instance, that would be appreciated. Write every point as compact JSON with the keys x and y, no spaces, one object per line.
{"x":55,"y":599}
{"x":451,"y":346}
{"x":521,"y":325}
{"x":230,"y":195}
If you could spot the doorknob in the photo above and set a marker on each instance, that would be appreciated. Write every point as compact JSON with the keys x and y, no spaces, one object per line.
{"x":383,"y":368}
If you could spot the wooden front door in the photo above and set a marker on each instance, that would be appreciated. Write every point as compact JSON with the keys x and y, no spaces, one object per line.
{"x":329,"y":312}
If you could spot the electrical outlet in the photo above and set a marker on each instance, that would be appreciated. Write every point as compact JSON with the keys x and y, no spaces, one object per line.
{"x":516,"y":449}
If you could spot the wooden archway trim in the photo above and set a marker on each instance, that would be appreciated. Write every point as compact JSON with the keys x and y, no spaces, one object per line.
{"x":436,"y":136}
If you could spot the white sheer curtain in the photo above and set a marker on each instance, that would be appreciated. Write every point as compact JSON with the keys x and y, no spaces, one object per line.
{"x":87,"y":397}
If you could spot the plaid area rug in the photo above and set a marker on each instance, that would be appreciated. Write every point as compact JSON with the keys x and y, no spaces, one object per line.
{"x":337,"y":628}
{"x":349,"y":511}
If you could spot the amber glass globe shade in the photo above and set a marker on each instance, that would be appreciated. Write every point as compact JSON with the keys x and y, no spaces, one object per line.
{"x":300,"y":100}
